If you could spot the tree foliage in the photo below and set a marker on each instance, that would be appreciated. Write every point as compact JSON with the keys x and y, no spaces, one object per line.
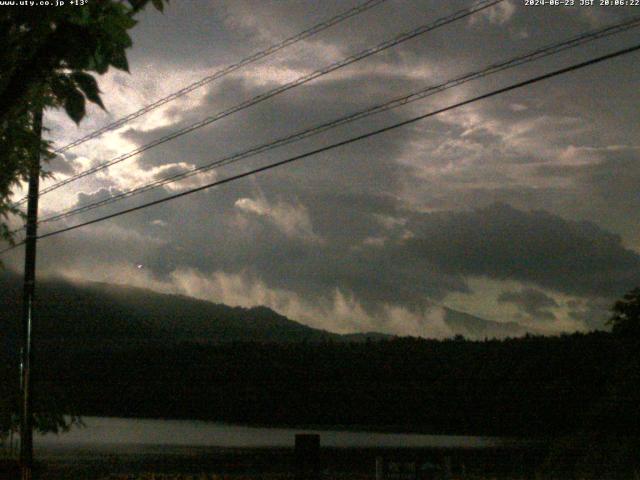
{"x":49,"y":59}
{"x":625,"y":320}
{"x":606,"y":443}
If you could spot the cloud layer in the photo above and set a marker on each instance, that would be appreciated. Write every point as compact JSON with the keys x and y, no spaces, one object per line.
{"x":523,"y":208}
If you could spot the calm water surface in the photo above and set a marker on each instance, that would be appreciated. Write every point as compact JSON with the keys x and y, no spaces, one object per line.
{"x":100,"y":432}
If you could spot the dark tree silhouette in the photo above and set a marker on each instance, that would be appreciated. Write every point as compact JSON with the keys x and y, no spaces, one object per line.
{"x":625,"y":321}
{"x":48,"y":59}
{"x":605,"y":445}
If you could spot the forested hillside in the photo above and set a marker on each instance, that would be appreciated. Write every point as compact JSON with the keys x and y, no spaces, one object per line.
{"x":524,"y":387}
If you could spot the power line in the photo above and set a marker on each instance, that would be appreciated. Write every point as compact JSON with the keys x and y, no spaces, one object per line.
{"x":226,"y":71}
{"x":493,"y":93}
{"x":460,"y":14}
{"x":481,"y":5}
{"x":394,"y":103}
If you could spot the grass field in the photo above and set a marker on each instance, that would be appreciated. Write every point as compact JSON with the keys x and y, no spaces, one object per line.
{"x":200,"y":463}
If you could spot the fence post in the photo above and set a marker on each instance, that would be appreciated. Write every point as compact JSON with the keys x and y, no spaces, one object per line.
{"x":307,"y":454}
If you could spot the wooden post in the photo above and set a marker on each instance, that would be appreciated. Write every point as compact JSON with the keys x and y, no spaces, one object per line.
{"x":26,"y":353}
{"x":307,"y":452}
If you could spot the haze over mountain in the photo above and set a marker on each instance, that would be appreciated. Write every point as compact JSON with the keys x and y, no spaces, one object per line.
{"x":94,"y":313}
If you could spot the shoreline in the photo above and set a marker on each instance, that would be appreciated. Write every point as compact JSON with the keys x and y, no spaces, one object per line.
{"x":391,"y":430}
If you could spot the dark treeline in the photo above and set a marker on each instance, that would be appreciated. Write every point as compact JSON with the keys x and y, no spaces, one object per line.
{"x":533,"y":386}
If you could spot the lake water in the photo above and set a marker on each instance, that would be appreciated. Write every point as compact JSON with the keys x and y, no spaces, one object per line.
{"x":101,"y":432}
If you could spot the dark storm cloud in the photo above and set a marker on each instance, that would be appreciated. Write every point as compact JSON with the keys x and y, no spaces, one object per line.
{"x":306,"y":106}
{"x":605,"y":187}
{"x":408,"y":260}
{"x":316,"y":102}
{"x":592,"y":313}
{"x":531,"y":301}
{"x":613,"y":178}
{"x":184,"y":35}
{"x":343,"y":195}
{"x":352,"y":219}
{"x":346,"y":201}
{"x":536,"y":247}
{"x":62,"y":164}
{"x":412,"y":258}
{"x":85,"y":199}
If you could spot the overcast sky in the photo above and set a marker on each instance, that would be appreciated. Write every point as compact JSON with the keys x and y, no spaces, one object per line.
{"x":521,"y":208}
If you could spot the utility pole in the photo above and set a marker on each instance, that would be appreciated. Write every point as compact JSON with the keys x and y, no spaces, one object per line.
{"x":26,"y":353}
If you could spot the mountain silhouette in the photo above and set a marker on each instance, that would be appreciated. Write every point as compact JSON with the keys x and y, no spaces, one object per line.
{"x":98,"y":314}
